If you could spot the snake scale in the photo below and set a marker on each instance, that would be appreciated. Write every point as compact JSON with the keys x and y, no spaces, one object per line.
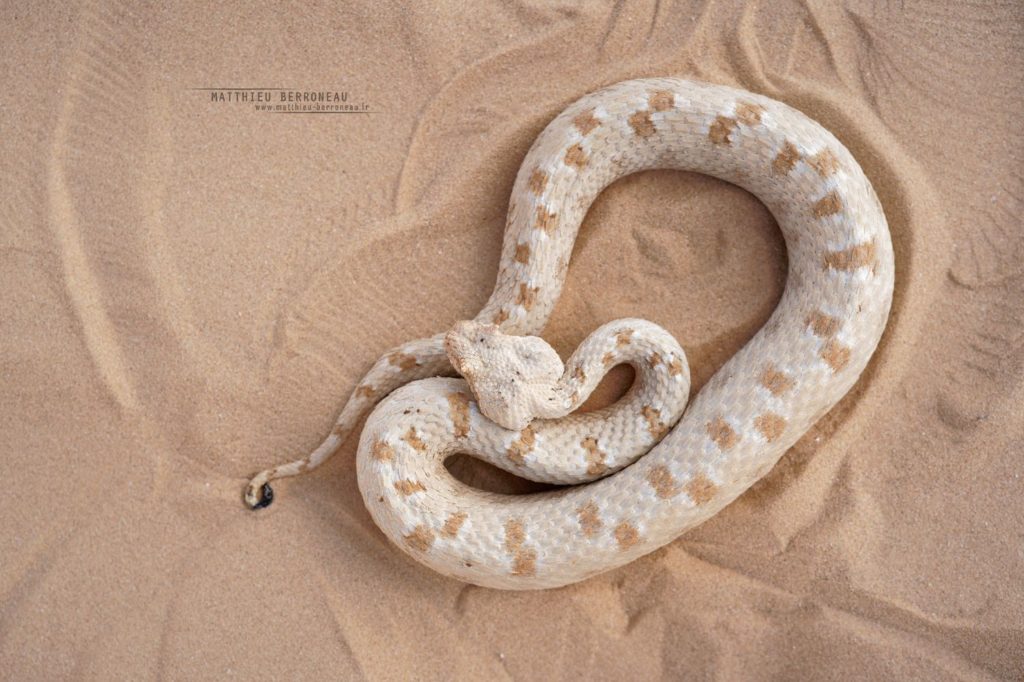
{"x":646,"y":469}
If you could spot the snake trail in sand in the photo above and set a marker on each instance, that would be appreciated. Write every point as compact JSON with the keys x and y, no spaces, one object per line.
{"x":806,"y":357}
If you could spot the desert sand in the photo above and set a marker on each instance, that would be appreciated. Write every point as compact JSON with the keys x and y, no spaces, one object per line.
{"x":193,"y":286}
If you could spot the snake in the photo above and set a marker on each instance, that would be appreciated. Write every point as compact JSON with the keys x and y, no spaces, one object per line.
{"x":635,"y":475}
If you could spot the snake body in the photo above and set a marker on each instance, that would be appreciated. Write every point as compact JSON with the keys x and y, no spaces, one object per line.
{"x":807,"y":356}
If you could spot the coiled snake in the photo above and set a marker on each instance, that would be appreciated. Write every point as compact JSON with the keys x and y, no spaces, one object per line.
{"x":806,"y":357}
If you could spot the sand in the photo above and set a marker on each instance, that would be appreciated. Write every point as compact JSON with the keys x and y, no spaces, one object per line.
{"x":192,"y":287}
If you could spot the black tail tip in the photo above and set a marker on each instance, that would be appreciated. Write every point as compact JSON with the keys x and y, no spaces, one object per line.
{"x":266,"y":497}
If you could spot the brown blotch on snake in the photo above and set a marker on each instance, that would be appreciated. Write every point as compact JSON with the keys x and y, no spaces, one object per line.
{"x":527,"y":295}
{"x":414,"y":441}
{"x":770,"y":425}
{"x":664,"y":484}
{"x":700,"y":489}
{"x":721,"y":129}
{"x":546,"y":221}
{"x":859,"y":256}
{"x":590,"y":522}
{"x":626,"y":535}
{"x":661,"y":100}
{"x":421,"y":538}
{"x":538,"y":181}
{"x":382,"y":452}
{"x":515,"y":535}
{"x":523,"y":558}
{"x":641,"y":123}
{"x":830,"y":204}
{"x":749,"y":113}
{"x":403,"y":361}
{"x":524,"y":562}
{"x":586,"y":122}
{"x":835,"y":354}
{"x":459,"y":405}
{"x":775,"y":381}
{"x":521,"y":446}
{"x":453,"y":524}
{"x":824,"y":162}
{"x":522,"y":253}
{"x":623,"y":337}
{"x":595,"y":458}
{"x":824,"y":326}
{"x":723,"y":434}
{"x":786,"y":159}
{"x":654,"y":423}
{"x":575,"y":156}
{"x":407,"y":487}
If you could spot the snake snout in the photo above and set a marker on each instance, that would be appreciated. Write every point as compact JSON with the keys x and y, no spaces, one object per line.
{"x":459,"y":344}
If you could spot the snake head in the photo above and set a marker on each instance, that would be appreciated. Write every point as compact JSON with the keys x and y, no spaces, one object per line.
{"x":514,"y":378}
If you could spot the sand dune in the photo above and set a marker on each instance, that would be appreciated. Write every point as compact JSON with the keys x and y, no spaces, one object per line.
{"x":192,"y":287}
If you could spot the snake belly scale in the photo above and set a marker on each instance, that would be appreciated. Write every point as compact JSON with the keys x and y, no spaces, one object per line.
{"x":649,"y":481}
